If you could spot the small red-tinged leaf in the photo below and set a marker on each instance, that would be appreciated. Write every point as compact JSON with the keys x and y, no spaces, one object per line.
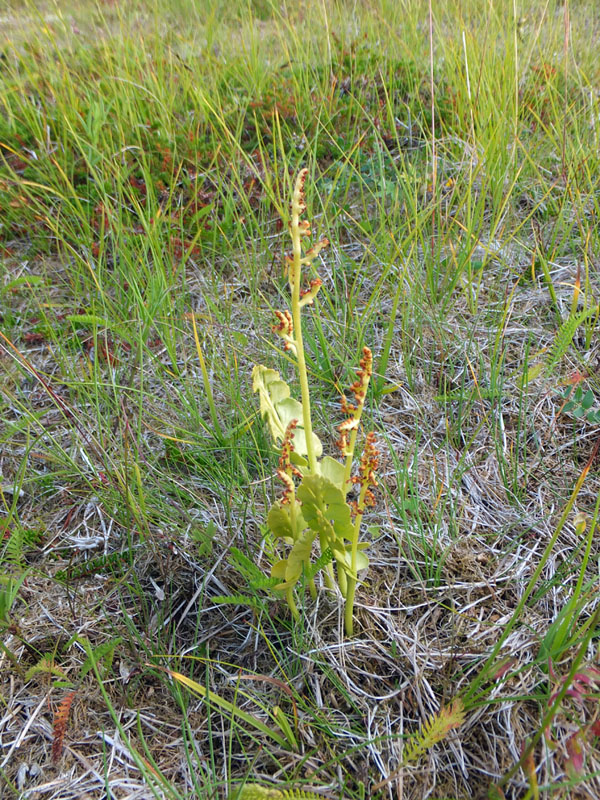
{"x":529,"y":769}
{"x":575,"y":378}
{"x":105,"y":353}
{"x":593,"y":674}
{"x":503,"y":667}
{"x":548,"y":736}
{"x":34,"y":338}
{"x":574,"y":762}
{"x":495,"y":793}
{"x":595,"y":728}
{"x":575,"y":693}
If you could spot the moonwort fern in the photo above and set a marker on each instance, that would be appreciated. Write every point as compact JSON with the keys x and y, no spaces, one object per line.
{"x":564,"y":337}
{"x":314,"y":512}
{"x":434,"y":730}
{"x":254,"y":791}
{"x":561,"y":344}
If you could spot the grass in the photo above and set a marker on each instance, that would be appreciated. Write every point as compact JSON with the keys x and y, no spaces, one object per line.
{"x":147,"y":154}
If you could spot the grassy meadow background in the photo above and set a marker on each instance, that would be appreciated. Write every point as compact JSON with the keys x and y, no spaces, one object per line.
{"x":147,"y":155}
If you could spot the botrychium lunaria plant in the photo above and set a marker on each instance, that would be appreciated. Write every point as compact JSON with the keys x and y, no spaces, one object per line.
{"x":314,"y":508}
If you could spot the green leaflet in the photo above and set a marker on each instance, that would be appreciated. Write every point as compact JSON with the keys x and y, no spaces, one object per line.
{"x":327,"y":513}
{"x":561,"y":344}
{"x":299,"y":556}
{"x":324,"y":507}
{"x":290,"y":569}
{"x":333,"y":470}
{"x":279,"y":521}
{"x":580,"y":405}
{"x":565,"y":335}
{"x":89,"y":320}
{"x":343,"y":556}
{"x":254,"y":791}
{"x":322,"y":561}
{"x":279,"y":409}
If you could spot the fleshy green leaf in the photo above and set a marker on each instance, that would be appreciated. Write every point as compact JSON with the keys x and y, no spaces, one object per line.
{"x":299,"y":556}
{"x":272,"y":390}
{"x":280,"y":522}
{"x":344,"y":559}
{"x":324,"y":508}
{"x":588,"y":401}
{"x":279,"y":409}
{"x":333,"y":470}
{"x":288,"y":409}
{"x":278,"y":569}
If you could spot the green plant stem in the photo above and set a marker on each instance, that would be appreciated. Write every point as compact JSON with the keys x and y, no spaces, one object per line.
{"x":12,"y":658}
{"x":216,"y":700}
{"x":349,"y":607}
{"x":342,"y":581}
{"x":289,"y":596}
{"x":571,"y":615}
{"x":295,"y":277}
{"x":328,"y":575}
{"x":352,"y":579}
{"x":350,"y":453}
{"x":293,"y":506}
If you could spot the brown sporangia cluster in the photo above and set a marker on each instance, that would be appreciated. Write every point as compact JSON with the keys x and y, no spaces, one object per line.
{"x":353,"y":410}
{"x":299,"y":195}
{"x":286,"y":470}
{"x":300,"y":228}
{"x":369,"y":462}
{"x":308,"y":295}
{"x":60,"y":725}
{"x":285,"y":328}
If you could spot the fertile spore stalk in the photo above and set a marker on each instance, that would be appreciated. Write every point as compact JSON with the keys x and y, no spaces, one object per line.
{"x":300,"y":229}
{"x":314,"y":504}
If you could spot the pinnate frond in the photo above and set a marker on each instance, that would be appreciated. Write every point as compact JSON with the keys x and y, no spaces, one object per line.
{"x":254,"y":791}
{"x":434,"y":730}
{"x":60,"y":725}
